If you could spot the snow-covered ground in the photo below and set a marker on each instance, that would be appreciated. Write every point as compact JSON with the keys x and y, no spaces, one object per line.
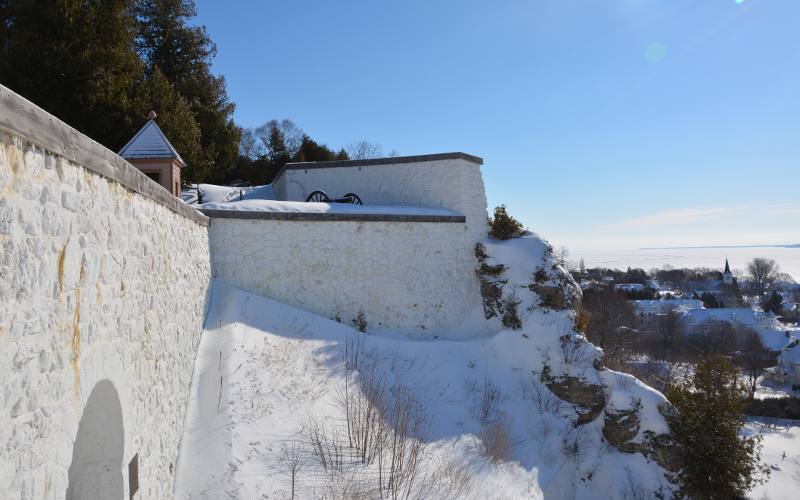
{"x":265,"y":370}
{"x":212,"y":193}
{"x":767,"y":388}
{"x":780,"y":437}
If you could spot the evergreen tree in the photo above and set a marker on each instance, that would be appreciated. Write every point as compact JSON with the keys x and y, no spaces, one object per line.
{"x":77,"y":60}
{"x":276,"y":148}
{"x":718,"y":462}
{"x":174,"y":114}
{"x":183,"y":54}
{"x":310,"y":150}
{"x":774,"y":303}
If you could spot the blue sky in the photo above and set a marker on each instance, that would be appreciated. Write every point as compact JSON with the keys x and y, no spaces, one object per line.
{"x":602,"y":123}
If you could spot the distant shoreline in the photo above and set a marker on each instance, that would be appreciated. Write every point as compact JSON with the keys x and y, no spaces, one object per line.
{"x":796,"y":245}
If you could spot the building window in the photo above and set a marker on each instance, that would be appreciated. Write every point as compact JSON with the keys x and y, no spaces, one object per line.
{"x":154,"y":175}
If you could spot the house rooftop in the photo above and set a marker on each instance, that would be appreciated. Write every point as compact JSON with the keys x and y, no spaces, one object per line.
{"x":150,"y":142}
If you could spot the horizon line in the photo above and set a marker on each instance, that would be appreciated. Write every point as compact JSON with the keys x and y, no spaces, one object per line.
{"x":786,"y":245}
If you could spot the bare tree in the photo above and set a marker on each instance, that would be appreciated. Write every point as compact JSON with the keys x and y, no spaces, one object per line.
{"x":713,"y":338}
{"x":561,"y":256}
{"x":763,"y":273}
{"x":669,"y":331}
{"x":363,"y":150}
{"x":291,"y":457}
{"x":752,"y":357}
{"x":611,"y":322}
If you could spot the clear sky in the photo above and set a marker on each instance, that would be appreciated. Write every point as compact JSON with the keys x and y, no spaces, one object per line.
{"x":602,"y":123}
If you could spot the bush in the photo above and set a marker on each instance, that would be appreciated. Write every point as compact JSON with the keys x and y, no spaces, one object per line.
{"x":717,"y":462}
{"x":503,"y":226}
{"x":786,"y":407}
{"x":510,"y":317}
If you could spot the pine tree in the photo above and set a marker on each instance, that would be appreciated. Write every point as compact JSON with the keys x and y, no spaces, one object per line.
{"x":174,"y":114}
{"x":718,"y":462}
{"x":183,"y":54}
{"x":310,"y":150}
{"x":774,"y":303}
{"x":75,"y":59}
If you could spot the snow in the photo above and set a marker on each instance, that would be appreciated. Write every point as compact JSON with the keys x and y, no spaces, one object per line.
{"x":779,"y":437}
{"x":267,"y":372}
{"x":626,"y":391}
{"x":149,"y":142}
{"x":221,"y":194}
{"x":264,"y":368}
{"x":256,"y":205}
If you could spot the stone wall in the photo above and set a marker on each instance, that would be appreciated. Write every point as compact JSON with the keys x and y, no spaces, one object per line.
{"x":448,"y":180}
{"x":403,"y":274}
{"x":103,"y":284}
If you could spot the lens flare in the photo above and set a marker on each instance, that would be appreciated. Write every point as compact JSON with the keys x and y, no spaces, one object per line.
{"x":655,"y":52}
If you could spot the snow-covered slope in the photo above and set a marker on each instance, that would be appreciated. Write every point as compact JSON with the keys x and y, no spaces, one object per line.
{"x":269,"y":378}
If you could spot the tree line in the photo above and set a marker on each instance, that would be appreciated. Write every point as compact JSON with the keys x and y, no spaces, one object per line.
{"x":102,"y":65}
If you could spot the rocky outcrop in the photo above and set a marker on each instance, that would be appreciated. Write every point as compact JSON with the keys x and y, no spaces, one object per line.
{"x":587,"y":399}
{"x":491,"y":285}
{"x":621,"y":427}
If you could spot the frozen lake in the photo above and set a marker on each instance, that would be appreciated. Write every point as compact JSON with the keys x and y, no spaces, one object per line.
{"x":787,"y":258}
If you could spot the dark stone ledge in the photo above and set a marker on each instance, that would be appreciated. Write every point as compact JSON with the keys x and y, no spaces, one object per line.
{"x":329,"y":217}
{"x":20,"y":117}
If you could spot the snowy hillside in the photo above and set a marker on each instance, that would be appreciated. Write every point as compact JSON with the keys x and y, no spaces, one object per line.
{"x":360,"y":415}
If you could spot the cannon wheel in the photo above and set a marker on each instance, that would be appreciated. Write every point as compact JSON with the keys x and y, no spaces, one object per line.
{"x":353,"y":199}
{"x":318,"y":196}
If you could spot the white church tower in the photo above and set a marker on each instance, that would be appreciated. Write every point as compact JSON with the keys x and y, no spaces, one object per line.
{"x":727,"y":276}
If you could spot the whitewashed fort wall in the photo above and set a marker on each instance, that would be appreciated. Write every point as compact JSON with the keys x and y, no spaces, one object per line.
{"x":404,"y":273}
{"x":103,"y":284}
{"x":448,"y":180}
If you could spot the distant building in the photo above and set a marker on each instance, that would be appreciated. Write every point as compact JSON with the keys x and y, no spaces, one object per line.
{"x":727,"y":276}
{"x":788,"y":369}
{"x":151,"y":152}
{"x":629,"y":287}
{"x":649,"y":308}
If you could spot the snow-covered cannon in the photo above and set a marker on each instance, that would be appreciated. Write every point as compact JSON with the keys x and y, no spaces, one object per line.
{"x":322,"y":196}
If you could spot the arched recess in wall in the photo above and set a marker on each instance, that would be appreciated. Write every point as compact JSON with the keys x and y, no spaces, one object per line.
{"x":96,"y":468}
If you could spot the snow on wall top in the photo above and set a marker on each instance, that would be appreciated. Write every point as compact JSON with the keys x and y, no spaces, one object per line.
{"x":22,"y":118}
{"x":150,"y":142}
{"x":379,"y":161}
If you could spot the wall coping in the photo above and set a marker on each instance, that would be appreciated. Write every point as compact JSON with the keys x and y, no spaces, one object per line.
{"x":329,"y":217}
{"x":395,"y":160}
{"x":22,"y":118}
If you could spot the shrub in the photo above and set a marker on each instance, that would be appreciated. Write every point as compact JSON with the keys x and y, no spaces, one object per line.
{"x":510,"y":317}
{"x":360,"y":322}
{"x":503,"y":226}
{"x":785,"y":407}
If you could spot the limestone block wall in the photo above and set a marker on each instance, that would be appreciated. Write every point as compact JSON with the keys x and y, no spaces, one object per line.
{"x":448,"y":180}
{"x":404,"y":274}
{"x":103,"y":284}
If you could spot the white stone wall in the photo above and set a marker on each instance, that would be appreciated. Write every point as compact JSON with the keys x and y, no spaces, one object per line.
{"x":405,"y":276}
{"x":455,"y":184}
{"x":96,"y":283}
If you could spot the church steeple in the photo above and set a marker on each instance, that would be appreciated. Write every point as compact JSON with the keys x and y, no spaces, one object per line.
{"x":727,"y":276}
